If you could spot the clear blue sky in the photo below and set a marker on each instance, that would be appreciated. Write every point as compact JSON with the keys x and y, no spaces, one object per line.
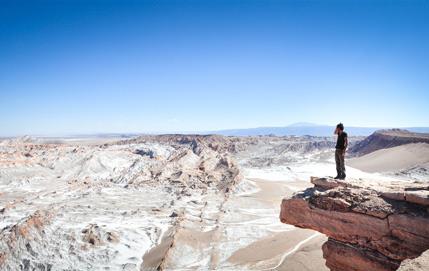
{"x":141,"y":66}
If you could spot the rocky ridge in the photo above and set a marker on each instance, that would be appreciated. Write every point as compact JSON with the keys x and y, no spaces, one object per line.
{"x":388,"y":138}
{"x":62,"y":206}
{"x":371,"y":226}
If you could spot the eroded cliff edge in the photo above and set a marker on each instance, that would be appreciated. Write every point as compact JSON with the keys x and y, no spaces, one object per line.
{"x":371,"y":226}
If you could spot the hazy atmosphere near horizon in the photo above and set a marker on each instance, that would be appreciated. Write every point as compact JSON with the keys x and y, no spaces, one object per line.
{"x":170,"y":66}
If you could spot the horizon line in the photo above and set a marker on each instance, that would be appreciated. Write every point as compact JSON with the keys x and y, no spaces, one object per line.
{"x":200,"y":132}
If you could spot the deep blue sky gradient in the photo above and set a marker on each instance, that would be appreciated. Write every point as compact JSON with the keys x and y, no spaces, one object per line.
{"x":142,"y":66}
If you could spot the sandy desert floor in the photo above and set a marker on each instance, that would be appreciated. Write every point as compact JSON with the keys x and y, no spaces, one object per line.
{"x":410,"y":156}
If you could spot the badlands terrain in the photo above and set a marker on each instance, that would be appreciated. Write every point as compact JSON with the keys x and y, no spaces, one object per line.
{"x":182,"y":202}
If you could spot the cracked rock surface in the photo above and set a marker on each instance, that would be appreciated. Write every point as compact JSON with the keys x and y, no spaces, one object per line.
{"x":371,"y":226}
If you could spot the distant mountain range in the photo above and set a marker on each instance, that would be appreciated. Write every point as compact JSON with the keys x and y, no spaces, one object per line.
{"x":303,"y":128}
{"x":297,"y":129}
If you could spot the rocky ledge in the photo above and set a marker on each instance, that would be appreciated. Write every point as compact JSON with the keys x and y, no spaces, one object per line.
{"x":370,"y":225}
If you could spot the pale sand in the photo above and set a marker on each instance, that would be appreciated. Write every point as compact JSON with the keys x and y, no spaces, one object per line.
{"x":275,"y":245}
{"x":153,"y":258}
{"x":393,"y":159}
{"x":297,"y":249}
{"x":248,"y":236}
{"x":307,"y":258}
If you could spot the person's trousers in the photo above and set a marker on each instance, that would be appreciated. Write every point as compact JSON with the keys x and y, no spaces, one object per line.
{"x":339,"y":161}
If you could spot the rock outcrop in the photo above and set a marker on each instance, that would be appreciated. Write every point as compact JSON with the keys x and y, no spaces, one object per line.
{"x":371,"y":226}
{"x":19,"y":243}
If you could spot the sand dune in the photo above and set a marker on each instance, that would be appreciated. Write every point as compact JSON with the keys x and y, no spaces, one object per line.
{"x":383,"y":139}
{"x":393,"y":159}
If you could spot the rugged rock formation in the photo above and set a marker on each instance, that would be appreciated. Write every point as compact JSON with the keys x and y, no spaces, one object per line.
{"x":383,"y":139}
{"x":17,"y":243}
{"x":69,"y":206}
{"x":171,"y":202}
{"x":371,"y":226}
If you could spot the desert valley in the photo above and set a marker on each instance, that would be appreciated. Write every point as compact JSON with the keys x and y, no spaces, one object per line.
{"x":166,"y":135}
{"x":201,"y":202}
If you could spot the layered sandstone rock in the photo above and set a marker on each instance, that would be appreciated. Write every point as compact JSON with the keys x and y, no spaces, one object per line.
{"x":371,"y":226}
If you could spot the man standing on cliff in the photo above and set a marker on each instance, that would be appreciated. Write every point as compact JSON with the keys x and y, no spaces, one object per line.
{"x":340,"y":151}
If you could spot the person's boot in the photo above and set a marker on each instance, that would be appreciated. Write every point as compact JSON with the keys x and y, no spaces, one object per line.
{"x":338,"y":175}
{"x":343,"y":176}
